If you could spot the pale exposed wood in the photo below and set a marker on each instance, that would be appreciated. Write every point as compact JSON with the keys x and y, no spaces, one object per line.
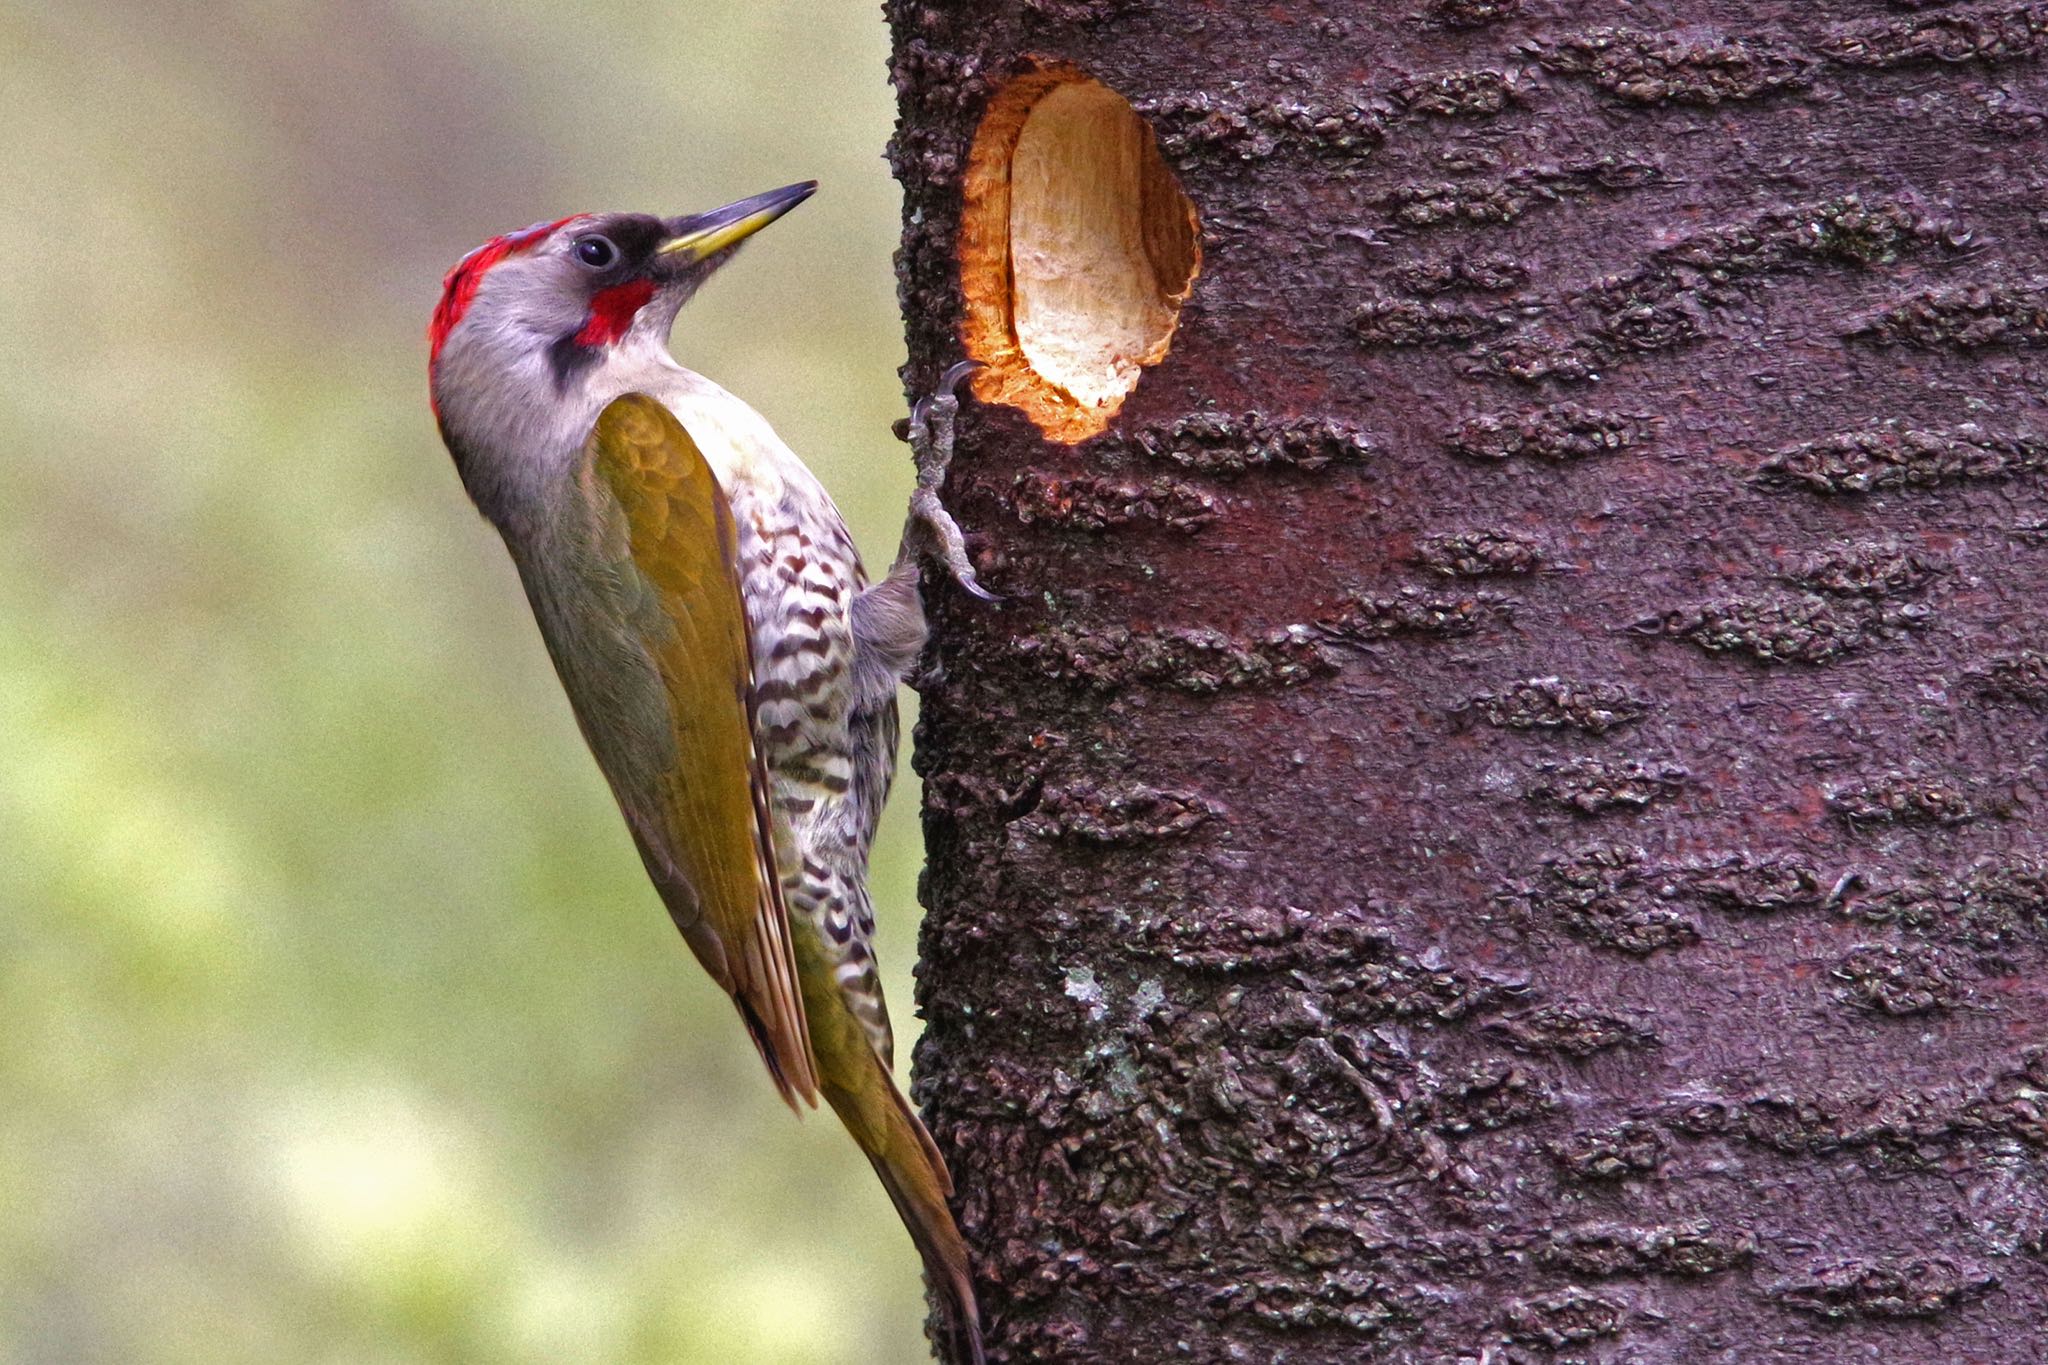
{"x":1079,"y":252}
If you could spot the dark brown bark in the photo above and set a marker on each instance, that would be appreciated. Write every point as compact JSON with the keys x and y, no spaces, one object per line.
{"x":1501,"y":817}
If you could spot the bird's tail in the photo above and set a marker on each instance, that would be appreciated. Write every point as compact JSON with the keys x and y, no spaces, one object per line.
{"x":912,"y":1171}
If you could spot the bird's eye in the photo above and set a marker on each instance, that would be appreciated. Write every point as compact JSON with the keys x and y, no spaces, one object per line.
{"x":596,"y":252}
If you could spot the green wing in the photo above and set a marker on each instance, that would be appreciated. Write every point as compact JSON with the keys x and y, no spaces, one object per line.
{"x":708,"y":844}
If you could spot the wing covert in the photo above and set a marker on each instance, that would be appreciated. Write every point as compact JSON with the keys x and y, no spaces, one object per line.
{"x":709,"y":844}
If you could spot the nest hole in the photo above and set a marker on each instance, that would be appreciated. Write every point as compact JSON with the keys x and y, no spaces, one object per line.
{"x":1077,"y":249}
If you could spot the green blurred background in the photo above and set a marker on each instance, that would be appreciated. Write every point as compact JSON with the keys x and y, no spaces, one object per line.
{"x":337,"y":1020}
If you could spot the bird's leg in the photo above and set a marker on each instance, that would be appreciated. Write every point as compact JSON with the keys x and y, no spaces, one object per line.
{"x":930,"y":527}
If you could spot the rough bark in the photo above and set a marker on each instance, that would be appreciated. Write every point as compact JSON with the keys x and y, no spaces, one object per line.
{"x":1501,"y":817}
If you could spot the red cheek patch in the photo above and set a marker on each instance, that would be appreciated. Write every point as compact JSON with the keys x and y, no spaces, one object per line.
{"x":612,"y":312}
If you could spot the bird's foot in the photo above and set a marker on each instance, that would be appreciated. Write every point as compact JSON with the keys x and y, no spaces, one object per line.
{"x":931,"y":527}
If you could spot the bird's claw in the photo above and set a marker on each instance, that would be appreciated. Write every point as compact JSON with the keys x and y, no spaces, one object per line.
{"x":931,"y":447}
{"x":931,"y":423}
{"x":956,"y":372}
{"x":934,"y":526}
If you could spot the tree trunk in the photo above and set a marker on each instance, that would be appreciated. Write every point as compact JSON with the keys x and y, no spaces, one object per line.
{"x":1498,"y":820}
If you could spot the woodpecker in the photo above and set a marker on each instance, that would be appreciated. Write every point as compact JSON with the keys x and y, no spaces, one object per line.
{"x":731,"y":668}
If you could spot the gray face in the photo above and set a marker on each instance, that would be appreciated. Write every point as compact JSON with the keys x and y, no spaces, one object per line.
{"x":587,"y":279}
{"x":537,"y":330}
{"x":558,"y":300}
{"x":545,"y":316}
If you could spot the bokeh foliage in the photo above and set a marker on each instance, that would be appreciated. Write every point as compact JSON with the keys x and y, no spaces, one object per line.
{"x":337,"y":1020}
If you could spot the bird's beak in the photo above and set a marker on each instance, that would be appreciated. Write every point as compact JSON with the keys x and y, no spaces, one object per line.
{"x":692,"y":238}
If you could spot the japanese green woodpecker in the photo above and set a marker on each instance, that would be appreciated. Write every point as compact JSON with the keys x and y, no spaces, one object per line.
{"x":729,"y":665}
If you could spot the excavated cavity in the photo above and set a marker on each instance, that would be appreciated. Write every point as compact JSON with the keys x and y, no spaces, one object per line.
{"x":1077,"y":249}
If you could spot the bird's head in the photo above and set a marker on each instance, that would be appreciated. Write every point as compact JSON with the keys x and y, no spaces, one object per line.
{"x":533,"y":312}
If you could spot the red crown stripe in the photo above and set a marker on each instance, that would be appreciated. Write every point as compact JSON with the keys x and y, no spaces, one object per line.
{"x":459,"y":286}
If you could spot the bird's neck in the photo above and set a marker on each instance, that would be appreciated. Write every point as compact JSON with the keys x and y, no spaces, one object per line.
{"x":518,"y":448}
{"x":519,"y":441}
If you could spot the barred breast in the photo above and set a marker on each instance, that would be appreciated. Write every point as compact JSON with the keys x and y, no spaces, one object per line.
{"x":830,"y":762}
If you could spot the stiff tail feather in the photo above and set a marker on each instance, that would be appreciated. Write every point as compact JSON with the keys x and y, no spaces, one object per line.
{"x":915,"y":1175}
